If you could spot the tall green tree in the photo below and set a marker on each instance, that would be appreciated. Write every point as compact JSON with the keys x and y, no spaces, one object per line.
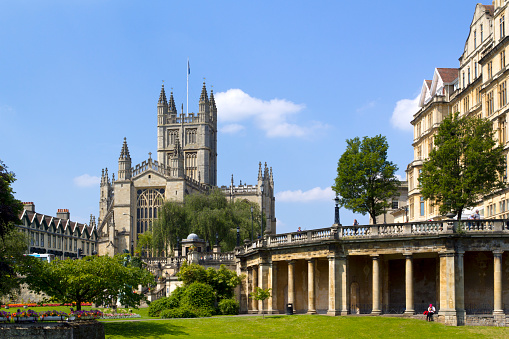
{"x":205,"y":215}
{"x":10,"y":207}
{"x":12,"y":246}
{"x":171,"y":224}
{"x":99,"y":279}
{"x":366,"y":179}
{"x":465,"y":164}
{"x":12,"y":243}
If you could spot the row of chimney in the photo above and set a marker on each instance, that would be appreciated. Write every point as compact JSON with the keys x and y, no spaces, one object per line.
{"x":62,"y":213}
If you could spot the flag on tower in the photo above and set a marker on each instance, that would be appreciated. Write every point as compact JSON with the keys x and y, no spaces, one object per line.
{"x":188,"y":68}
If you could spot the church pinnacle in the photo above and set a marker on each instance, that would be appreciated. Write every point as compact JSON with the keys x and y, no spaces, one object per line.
{"x":162,"y":97}
{"x":124,"y":153}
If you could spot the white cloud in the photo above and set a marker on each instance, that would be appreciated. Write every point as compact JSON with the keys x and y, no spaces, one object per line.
{"x":86,"y":180}
{"x":270,"y":116}
{"x":403,"y":113}
{"x":314,"y":194}
{"x":232,"y":128}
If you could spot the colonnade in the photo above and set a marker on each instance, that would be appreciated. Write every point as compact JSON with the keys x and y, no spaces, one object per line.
{"x":451,"y":286}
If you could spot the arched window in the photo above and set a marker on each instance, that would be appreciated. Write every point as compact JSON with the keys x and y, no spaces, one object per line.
{"x":148,"y":203}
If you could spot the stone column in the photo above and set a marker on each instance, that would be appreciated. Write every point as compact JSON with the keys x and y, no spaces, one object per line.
{"x":448,"y":289}
{"x":311,"y":287}
{"x":338,"y":302}
{"x":272,"y":284}
{"x":263,"y":278}
{"x":460,"y":288}
{"x":497,"y":281}
{"x":248,"y":288}
{"x":291,"y":284}
{"x":254,"y":303}
{"x":376,"y":285}
{"x":409,"y":284}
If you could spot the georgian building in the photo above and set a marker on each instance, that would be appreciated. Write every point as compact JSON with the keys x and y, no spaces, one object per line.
{"x":186,"y":164}
{"x":57,"y":235}
{"x":477,"y":88}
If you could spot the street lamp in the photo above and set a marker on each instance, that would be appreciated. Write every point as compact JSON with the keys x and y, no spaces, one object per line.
{"x":132,"y":247}
{"x":406,"y":213}
{"x":336,"y":211}
{"x":238,"y":236}
{"x":252,"y":228}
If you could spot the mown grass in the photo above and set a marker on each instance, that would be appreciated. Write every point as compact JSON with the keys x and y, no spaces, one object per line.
{"x":298,"y":326}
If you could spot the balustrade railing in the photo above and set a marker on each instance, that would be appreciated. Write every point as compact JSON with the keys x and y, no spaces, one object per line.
{"x":393,"y":230}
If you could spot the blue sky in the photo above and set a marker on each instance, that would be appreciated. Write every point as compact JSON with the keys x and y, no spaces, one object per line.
{"x":293,"y":80}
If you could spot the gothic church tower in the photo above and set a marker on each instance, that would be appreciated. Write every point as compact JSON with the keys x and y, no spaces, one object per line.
{"x":196,"y":134}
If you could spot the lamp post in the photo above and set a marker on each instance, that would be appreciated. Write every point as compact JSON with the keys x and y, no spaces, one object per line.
{"x":406,"y":213}
{"x":238,"y":236}
{"x":252,"y":227}
{"x":131,"y":233}
{"x":336,"y":211}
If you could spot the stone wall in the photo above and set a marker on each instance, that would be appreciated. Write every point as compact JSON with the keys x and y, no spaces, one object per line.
{"x":77,"y":330}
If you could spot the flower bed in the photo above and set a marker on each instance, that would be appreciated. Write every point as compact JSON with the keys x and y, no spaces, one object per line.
{"x":46,"y":305}
{"x":52,"y":315}
{"x":85,"y":315}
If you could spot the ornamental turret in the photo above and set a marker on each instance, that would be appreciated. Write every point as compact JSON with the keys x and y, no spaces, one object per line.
{"x":124,"y":163}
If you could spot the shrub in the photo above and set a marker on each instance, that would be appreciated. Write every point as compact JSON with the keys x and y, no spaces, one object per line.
{"x":175,"y":297}
{"x":229,"y":307}
{"x":181,"y":312}
{"x":157,"y":306}
{"x":198,"y":296}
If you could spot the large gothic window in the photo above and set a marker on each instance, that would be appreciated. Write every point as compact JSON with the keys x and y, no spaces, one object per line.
{"x":191,"y":168}
{"x":148,"y":203}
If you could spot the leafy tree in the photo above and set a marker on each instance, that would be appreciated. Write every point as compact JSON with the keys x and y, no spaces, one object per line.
{"x":464,"y":166}
{"x":12,"y":246}
{"x":145,"y":241}
{"x":12,"y":243}
{"x":170,"y":224}
{"x":102,"y":280}
{"x":10,"y":207}
{"x":261,"y":294}
{"x":366,"y":179}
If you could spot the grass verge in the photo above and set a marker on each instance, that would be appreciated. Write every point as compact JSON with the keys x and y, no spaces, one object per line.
{"x":298,"y":326}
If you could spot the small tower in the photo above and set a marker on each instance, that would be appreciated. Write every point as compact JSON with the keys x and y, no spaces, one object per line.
{"x":204,"y":110}
{"x":172,"y":109}
{"x":105,"y":191}
{"x":124,"y":163}
{"x":213,"y":109}
{"x":177,"y":161}
{"x":162,"y":107}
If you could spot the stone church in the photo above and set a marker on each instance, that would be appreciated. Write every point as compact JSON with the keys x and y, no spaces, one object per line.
{"x":186,"y":164}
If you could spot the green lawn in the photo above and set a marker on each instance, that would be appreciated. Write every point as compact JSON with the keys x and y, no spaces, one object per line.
{"x":297,"y":326}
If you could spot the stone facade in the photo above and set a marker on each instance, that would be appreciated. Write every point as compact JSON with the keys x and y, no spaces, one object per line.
{"x":478,"y":87}
{"x":383,"y":269}
{"x":186,"y":164}
{"x":57,"y":235}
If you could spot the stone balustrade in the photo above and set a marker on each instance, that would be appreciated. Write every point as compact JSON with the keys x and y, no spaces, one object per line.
{"x":395,"y":230}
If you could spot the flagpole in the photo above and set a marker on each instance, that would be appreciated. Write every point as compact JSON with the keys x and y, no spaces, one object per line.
{"x":187,"y":108}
